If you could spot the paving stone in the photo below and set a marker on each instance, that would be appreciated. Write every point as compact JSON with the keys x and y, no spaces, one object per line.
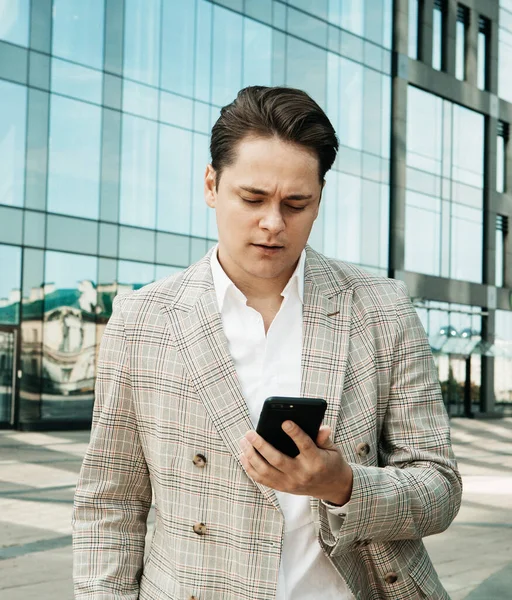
{"x":38,"y":472}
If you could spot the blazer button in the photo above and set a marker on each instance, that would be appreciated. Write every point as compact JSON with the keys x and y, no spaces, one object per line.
{"x":363,"y":449}
{"x":391,"y":577}
{"x":199,"y":528}
{"x":199,"y":460}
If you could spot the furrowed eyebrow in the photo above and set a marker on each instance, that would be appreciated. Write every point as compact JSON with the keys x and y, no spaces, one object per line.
{"x":258,"y":192}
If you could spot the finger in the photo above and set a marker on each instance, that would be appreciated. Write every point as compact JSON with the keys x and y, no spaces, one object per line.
{"x":304,"y":443}
{"x":323,"y":439}
{"x":272,"y":456}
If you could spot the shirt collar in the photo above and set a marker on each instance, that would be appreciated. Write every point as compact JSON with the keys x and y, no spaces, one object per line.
{"x":222,"y":283}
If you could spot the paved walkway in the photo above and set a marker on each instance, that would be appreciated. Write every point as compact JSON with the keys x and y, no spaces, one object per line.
{"x":38,"y":472}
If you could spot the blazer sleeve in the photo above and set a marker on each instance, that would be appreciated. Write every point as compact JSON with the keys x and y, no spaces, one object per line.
{"x":416,"y":491}
{"x":113,"y":494}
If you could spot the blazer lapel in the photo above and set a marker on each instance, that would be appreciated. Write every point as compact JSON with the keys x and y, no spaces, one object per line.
{"x":198,"y":335}
{"x":326,"y":333}
{"x":326,"y":323}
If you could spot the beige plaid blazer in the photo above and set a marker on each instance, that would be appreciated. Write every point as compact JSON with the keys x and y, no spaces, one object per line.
{"x":167,"y":391}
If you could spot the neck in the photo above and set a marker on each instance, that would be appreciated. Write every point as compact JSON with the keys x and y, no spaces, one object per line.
{"x":254,"y":288}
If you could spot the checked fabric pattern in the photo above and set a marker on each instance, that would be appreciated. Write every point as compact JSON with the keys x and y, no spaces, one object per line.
{"x":167,"y":390}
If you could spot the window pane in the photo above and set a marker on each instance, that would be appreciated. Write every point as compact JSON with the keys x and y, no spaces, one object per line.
{"x":413,"y":29}
{"x":14,"y":21}
{"x":74,"y":158}
{"x":350,"y":124}
{"x":437,"y":42}
{"x":227,"y":55}
{"x":69,"y":351}
{"x":444,"y":139}
{"x":76,"y":81}
{"x":500,"y":164}
{"x":10,"y":284}
{"x":500,"y":249}
{"x":306,"y":67}
{"x":202,"y":82}
{"x":78,"y":31}
{"x":174,"y":180}
{"x":460,"y":54}
{"x":422,"y":235}
{"x":138,"y":172}
{"x":352,"y":16}
{"x":178,"y":22}
{"x":140,"y":99}
{"x":134,"y":275}
{"x":13,"y":116}
{"x":503,"y":362}
{"x":482,"y":60}
{"x":142,"y":40}
{"x":257,"y":68}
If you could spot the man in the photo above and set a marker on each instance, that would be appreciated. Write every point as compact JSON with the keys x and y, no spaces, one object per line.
{"x":186,"y":363}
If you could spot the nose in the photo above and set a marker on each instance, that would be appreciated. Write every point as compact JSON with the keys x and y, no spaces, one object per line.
{"x":272,"y":220}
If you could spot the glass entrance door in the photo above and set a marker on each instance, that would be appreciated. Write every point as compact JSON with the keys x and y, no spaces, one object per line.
{"x":7,"y":375}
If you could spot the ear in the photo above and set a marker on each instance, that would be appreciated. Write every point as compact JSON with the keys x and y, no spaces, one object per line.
{"x":210,"y":189}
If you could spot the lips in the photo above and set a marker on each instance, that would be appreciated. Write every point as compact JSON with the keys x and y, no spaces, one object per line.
{"x":268,"y":246}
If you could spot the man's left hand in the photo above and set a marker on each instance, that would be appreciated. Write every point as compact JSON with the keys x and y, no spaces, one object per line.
{"x":319,"y":470}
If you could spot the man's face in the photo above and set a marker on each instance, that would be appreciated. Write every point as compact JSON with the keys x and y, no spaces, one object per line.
{"x":266,"y":203}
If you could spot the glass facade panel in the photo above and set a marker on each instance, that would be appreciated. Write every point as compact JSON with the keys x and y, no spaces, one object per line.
{"x":438,"y":38}
{"x":445,"y":141}
{"x":227,"y":55}
{"x":503,"y":359}
{"x":74,"y":158}
{"x":69,"y":336}
{"x":174,"y":179}
{"x":113,"y":135}
{"x":505,"y":52}
{"x":501,"y":153}
{"x":413,"y":28}
{"x":14,"y":21}
{"x":257,"y":61}
{"x":460,"y":51}
{"x":76,"y":81}
{"x":177,"y":54}
{"x":483,"y":40}
{"x":78,"y":31}
{"x":142,"y":40}
{"x":13,"y":116}
{"x":138,"y":172}
{"x":10,"y":284}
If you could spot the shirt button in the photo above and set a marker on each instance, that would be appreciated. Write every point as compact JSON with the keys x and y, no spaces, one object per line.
{"x":199,"y":528}
{"x":363,"y":449}
{"x":391,"y":577}
{"x":199,"y":460}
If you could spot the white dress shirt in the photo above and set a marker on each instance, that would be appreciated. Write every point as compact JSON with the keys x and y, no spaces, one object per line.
{"x":270,"y":365}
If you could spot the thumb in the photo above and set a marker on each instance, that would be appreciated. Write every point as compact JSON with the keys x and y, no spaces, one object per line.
{"x":323,"y":439}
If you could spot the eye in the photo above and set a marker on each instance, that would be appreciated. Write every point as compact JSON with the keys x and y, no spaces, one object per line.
{"x":296,"y":208}
{"x":251,"y":201}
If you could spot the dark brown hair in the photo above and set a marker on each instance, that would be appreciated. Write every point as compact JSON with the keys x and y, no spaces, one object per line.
{"x":287,"y":113}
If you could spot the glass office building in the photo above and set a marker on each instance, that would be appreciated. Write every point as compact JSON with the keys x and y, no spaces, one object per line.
{"x":105,"y":112}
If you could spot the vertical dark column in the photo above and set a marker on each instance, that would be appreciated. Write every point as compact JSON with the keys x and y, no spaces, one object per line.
{"x":426,"y":31}
{"x":449,"y":33}
{"x":111,"y":117}
{"x":472,"y":29}
{"x":398,"y":138}
{"x":487,"y":398}
{"x":38,"y":104}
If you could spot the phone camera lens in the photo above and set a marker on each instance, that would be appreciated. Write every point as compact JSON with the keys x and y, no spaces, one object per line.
{"x":278,"y":406}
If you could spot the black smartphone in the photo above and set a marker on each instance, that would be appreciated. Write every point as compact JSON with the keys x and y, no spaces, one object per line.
{"x":307,"y":413}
